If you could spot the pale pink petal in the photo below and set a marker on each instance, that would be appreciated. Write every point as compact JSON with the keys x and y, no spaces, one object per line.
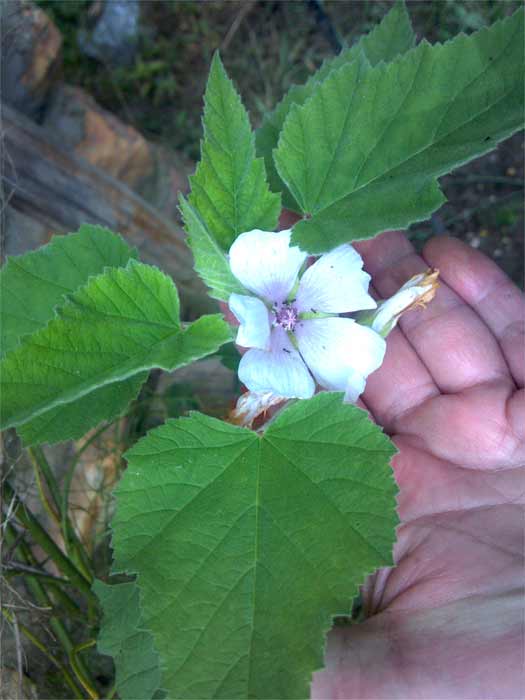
{"x":252,"y":314}
{"x":279,"y":370}
{"x":340,"y":353}
{"x":336,"y":283}
{"x":266,"y":264}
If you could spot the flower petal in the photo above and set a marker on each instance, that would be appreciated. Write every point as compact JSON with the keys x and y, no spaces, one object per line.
{"x":340,"y":353}
{"x":266,"y":264}
{"x":252,"y":314}
{"x":279,"y":370}
{"x":250,"y":406}
{"x":336,"y":283}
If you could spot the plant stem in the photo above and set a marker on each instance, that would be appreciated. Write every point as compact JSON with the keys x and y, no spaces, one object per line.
{"x":44,"y":650}
{"x":42,"y":538}
{"x":41,"y":492}
{"x":67,"y":528}
{"x":19,"y":569}
{"x":61,"y":518}
{"x":40,"y":463}
{"x":77,"y":667}
{"x":66,"y":602}
{"x":112,"y":692}
{"x":42,"y":599}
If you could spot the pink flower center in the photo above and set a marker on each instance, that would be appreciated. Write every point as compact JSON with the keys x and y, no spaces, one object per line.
{"x":286,"y":316}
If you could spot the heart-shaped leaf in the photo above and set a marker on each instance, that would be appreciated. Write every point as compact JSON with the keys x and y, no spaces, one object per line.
{"x":245,"y":545}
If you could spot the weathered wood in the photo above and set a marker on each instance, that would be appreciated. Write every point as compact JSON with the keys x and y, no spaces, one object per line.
{"x":154,"y":172}
{"x":51,"y":185}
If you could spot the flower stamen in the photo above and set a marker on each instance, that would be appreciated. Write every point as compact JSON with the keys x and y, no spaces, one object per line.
{"x":286,"y":316}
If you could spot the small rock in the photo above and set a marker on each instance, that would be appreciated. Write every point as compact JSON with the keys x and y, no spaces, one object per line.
{"x":113,"y":40}
{"x":98,"y":136}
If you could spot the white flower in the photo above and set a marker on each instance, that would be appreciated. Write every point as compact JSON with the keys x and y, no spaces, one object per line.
{"x":291,"y":325}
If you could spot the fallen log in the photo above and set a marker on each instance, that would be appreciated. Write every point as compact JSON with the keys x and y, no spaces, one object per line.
{"x":60,"y":190}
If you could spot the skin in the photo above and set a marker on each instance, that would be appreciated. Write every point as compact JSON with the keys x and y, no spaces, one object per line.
{"x":447,"y":621}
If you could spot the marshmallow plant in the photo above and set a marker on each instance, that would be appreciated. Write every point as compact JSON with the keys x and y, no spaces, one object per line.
{"x":240,"y":546}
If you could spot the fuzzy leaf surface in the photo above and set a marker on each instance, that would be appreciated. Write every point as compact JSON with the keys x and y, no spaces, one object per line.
{"x":123,"y":322}
{"x":70,"y":421}
{"x":390,"y":38}
{"x":34,"y":283}
{"x":364,"y":153}
{"x":229,"y":189}
{"x":123,"y":637}
{"x":211,"y":263}
{"x":245,"y":546}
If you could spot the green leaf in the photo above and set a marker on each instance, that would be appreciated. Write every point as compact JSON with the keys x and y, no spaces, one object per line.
{"x":229,"y":356}
{"x":364,"y":153}
{"x":70,"y":421}
{"x":122,"y":636}
{"x":229,"y":189}
{"x":34,"y":283}
{"x":393,"y":36}
{"x":122,"y":322}
{"x":211,"y":262}
{"x":39,"y":281}
{"x":245,"y":546}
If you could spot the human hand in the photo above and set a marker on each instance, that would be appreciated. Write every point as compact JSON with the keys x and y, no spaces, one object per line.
{"x":447,"y":621}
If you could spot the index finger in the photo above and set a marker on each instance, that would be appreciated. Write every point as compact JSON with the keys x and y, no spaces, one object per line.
{"x":488,"y":290}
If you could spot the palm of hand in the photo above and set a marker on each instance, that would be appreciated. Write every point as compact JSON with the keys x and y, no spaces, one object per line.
{"x":446,"y":622}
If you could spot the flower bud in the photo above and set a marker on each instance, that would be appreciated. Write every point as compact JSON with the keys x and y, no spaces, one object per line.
{"x":417,"y":292}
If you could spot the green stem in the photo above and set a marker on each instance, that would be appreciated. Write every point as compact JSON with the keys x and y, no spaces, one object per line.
{"x":78,"y":667}
{"x":54,"y":582}
{"x":66,"y":603}
{"x":67,"y":528}
{"x":112,"y":692}
{"x":18,"y":569}
{"x":40,"y":464}
{"x":308,"y":315}
{"x":42,"y":538}
{"x":71,"y":541}
{"x":44,"y":650}
{"x":42,"y":599}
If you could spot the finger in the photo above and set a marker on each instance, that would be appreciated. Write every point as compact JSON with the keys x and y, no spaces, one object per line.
{"x":449,"y":337}
{"x":481,"y":428}
{"x":402,"y":381}
{"x":486,"y":288}
{"x":443,"y":487}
